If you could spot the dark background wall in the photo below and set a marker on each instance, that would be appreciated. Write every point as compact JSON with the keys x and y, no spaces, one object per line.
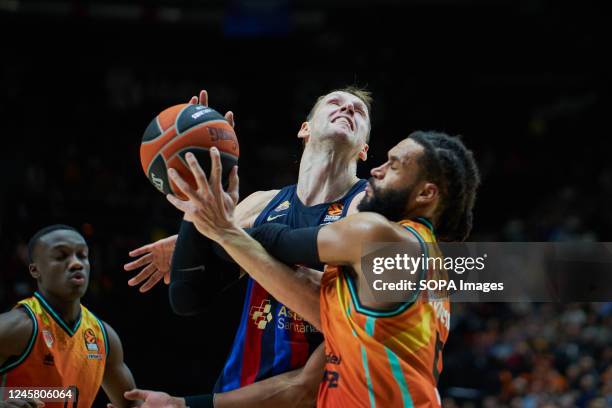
{"x":526,"y":83}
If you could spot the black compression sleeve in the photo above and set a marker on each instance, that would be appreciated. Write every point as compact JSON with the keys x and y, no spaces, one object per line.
{"x":197,"y":276}
{"x":291,"y":246}
{"x":200,"y":401}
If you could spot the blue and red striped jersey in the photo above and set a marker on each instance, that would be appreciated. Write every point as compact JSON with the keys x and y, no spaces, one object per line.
{"x":271,"y":338}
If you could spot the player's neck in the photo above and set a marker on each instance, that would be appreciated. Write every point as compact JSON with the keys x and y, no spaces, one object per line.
{"x":68,"y":310}
{"x":325,"y":176}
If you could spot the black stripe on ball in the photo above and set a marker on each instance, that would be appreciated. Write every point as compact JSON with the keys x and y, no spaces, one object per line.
{"x":152,"y":131}
{"x":158,"y":175}
{"x":203,"y":156}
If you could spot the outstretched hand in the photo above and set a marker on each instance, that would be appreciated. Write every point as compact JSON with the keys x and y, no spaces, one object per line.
{"x":152,"y":399}
{"x":155,"y":258}
{"x":209,"y":207}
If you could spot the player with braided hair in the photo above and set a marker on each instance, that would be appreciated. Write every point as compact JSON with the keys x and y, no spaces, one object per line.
{"x":385,"y":354}
{"x":448,"y":162}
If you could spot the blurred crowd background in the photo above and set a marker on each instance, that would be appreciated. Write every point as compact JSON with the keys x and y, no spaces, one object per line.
{"x":527,"y":84}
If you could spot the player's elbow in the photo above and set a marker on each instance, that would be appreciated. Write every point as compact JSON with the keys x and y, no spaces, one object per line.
{"x":184,"y":300}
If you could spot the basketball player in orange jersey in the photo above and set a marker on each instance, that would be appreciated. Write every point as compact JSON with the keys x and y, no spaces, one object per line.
{"x":267,"y":358}
{"x":51,"y":339}
{"x":378,"y":353}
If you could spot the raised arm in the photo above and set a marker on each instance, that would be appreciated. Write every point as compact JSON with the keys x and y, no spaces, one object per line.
{"x":211,"y":210}
{"x":194,"y":286}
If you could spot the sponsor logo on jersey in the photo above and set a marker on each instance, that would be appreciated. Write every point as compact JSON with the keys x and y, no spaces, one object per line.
{"x":48,"y":337}
{"x":331,"y":358}
{"x":91,"y":342}
{"x":282,"y":206}
{"x":49,"y":360}
{"x":93,"y":356}
{"x":261,"y":315}
{"x":287,"y":319}
{"x":273,"y":217}
{"x":334,"y":213}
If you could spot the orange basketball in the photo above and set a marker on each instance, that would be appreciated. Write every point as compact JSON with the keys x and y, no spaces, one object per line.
{"x":181,"y":129}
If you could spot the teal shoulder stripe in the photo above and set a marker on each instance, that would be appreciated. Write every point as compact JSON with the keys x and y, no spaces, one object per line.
{"x":3,"y":396}
{"x":398,"y":375}
{"x":57,"y":317}
{"x":369,"y":326}
{"x":106,"y":346}
{"x":28,"y":349}
{"x":373,"y":312}
{"x":426,"y":222}
{"x":424,"y":247}
{"x":401,"y":308}
{"x":366,"y":369}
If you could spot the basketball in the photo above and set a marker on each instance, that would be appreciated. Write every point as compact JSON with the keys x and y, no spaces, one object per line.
{"x":181,"y":129}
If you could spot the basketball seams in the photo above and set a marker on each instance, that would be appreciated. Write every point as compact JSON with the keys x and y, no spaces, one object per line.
{"x":198,"y":135}
{"x":161,"y":131}
{"x":178,"y":136}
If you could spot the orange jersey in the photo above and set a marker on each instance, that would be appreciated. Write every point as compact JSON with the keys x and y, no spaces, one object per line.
{"x":381,"y":358}
{"x":58,"y":355}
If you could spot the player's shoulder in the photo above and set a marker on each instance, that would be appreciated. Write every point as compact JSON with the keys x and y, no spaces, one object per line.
{"x":377,"y":227}
{"x":260,"y":197}
{"x":250,"y":207}
{"x":16,"y":319}
{"x":16,"y":328}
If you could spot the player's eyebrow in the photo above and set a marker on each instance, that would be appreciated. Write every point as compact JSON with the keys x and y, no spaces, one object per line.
{"x":393,"y":157}
{"x":62,"y":245}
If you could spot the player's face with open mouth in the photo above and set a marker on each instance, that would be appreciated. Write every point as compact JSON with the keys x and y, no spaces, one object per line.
{"x":341,"y":114}
{"x":63,"y":263}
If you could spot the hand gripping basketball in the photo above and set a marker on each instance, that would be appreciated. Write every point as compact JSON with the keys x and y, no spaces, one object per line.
{"x":192,"y":127}
{"x":210,"y":208}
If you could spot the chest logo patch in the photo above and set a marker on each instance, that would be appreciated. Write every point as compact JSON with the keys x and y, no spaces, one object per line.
{"x":48,"y":337}
{"x":91,"y":342}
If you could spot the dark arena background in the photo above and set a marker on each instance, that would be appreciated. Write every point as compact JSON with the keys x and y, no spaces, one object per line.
{"x":527,"y":84}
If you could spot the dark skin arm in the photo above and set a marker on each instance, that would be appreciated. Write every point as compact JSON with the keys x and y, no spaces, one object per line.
{"x":294,"y":389}
{"x":117,"y":376}
{"x":297,"y":388}
{"x":15,"y":333}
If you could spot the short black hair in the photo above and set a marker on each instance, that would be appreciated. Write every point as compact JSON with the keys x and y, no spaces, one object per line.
{"x":41,"y":233}
{"x":448,"y":163}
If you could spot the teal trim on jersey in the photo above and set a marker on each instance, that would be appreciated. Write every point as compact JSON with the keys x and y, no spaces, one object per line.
{"x":370,"y":324}
{"x":426,"y":222}
{"x":28,"y":349}
{"x":401,"y":308}
{"x":364,"y":357}
{"x":398,"y":375}
{"x":57,"y":317}
{"x":2,"y":385}
{"x":106,"y":346}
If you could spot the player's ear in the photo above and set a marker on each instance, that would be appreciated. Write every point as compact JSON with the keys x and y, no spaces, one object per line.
{"x":428,"y":194}
{"x":304,"y":132}
{"x":34,"y":272}
{"x":363,"y":153}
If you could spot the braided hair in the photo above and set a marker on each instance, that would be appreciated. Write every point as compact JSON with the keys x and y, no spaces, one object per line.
{"x":450,"y":165}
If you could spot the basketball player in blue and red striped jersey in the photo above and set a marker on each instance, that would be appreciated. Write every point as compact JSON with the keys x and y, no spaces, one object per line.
{"x":273,"y":341}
